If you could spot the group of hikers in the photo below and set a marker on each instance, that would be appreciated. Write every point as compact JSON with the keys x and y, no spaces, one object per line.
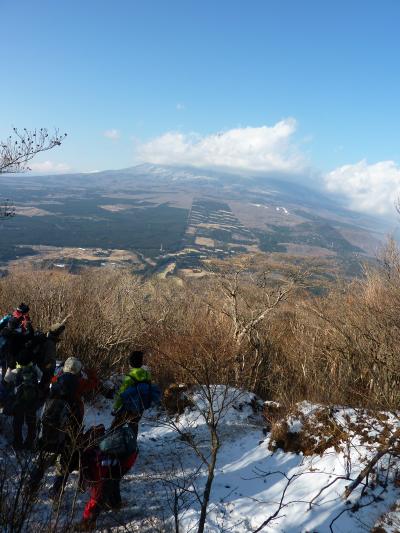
{"x":32,"y":380}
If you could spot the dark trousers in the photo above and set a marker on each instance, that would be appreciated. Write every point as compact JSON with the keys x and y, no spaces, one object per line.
{"x":29,"y":418}
{"x":66,"y":462}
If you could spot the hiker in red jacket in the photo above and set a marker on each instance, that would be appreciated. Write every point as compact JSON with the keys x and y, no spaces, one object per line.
{"x":22,"y":314}
{"x":102,"y":473}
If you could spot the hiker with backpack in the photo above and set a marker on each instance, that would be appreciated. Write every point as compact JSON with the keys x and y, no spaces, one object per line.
{"x":21,"y":313}
{"x":25,"y":400}
{"x":135,"y":390}
{"x":136,"y":394}
{"x":106,"y":458}
{"x":62,"y":423}
{"x":49,"y":353}
{"x":113,"y":454}
{"x":12,"y":341}
{"x":44,"y":347}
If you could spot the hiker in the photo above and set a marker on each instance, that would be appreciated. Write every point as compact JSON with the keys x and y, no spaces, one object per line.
{"x":107,"y":457}
{"x":67,"y":392}
{"x":14,"y":340}
{"x":25,"y":380}
{"x":62,"y":424}
{"x":21,"y":313}
{"x":45,"y":349}
{"x":123,"y":410}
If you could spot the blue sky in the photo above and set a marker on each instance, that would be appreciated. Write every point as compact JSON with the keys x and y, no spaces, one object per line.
{"x":141,"y":69}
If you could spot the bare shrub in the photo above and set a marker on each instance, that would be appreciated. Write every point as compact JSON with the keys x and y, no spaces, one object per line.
{"x":315,"y":433}
{"x":104,"y":308}
{"x":176,"y":399}
{"x":262,"y":330}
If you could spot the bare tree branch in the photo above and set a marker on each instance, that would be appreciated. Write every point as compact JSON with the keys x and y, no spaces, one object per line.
{"x":18,"y":149}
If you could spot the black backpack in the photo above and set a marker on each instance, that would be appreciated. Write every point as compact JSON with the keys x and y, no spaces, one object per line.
{"x":3,"y":338}
{"x":4,"y":321}
{"x":57,"y":414}
{"x":27,"y":388}
{"x":119,"y":442}
{"x":36,"y":345}
{"x":65,"y":387}
{"x":54,"y":425}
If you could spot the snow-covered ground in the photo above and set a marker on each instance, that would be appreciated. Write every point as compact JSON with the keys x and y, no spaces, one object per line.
{"x":251,"y":484}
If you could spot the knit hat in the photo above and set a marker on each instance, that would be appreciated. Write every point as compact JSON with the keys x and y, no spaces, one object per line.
{"x":72,"y":365}
{"x":23,"y":308}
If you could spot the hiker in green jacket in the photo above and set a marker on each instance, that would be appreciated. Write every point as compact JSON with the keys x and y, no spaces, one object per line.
{"x":137,"y":374}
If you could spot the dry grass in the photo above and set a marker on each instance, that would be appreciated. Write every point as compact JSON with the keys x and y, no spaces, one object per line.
{"x":318,"y":432}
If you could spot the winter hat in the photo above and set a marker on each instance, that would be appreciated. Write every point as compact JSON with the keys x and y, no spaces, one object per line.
{"x":23,"y":308}
{"x":72,"y":365}
{"x":136,"y":359}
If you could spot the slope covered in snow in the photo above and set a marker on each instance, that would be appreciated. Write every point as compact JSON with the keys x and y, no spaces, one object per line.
{"x":287,"y":492}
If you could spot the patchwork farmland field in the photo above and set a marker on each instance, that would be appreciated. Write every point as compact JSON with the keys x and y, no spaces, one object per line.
{"x":169,"y":220}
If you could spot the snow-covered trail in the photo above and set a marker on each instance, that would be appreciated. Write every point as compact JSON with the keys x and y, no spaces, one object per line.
{"x":243,"y":494}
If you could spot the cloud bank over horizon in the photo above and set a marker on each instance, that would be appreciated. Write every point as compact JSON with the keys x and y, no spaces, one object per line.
{"x":371,"y":188}
{"x":257,"y":149}
{"x":49,"y":167}
{"x":368,"y":188}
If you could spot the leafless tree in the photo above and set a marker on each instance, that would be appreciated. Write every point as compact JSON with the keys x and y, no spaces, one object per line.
{"x":252,"y":290}
{"x":23,"y":145}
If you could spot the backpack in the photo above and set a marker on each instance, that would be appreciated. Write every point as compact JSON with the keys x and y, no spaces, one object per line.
{"x":27,"y":388}
{"x":3,"y":340}
{"x":36,"y":344}
{"x":119,"y":442}
{"x":54,"y":423}
{"x":4,"y":321}
{"x":140,"y":396}
{"x":65,"y":386}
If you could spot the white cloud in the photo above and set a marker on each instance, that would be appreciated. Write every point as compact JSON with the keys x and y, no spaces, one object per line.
{"x":49,"y":166}
{"x":371,"y":188}
{"x":112,"y":134}
{"x":180,"y":106}
{"x":259,"y":149}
